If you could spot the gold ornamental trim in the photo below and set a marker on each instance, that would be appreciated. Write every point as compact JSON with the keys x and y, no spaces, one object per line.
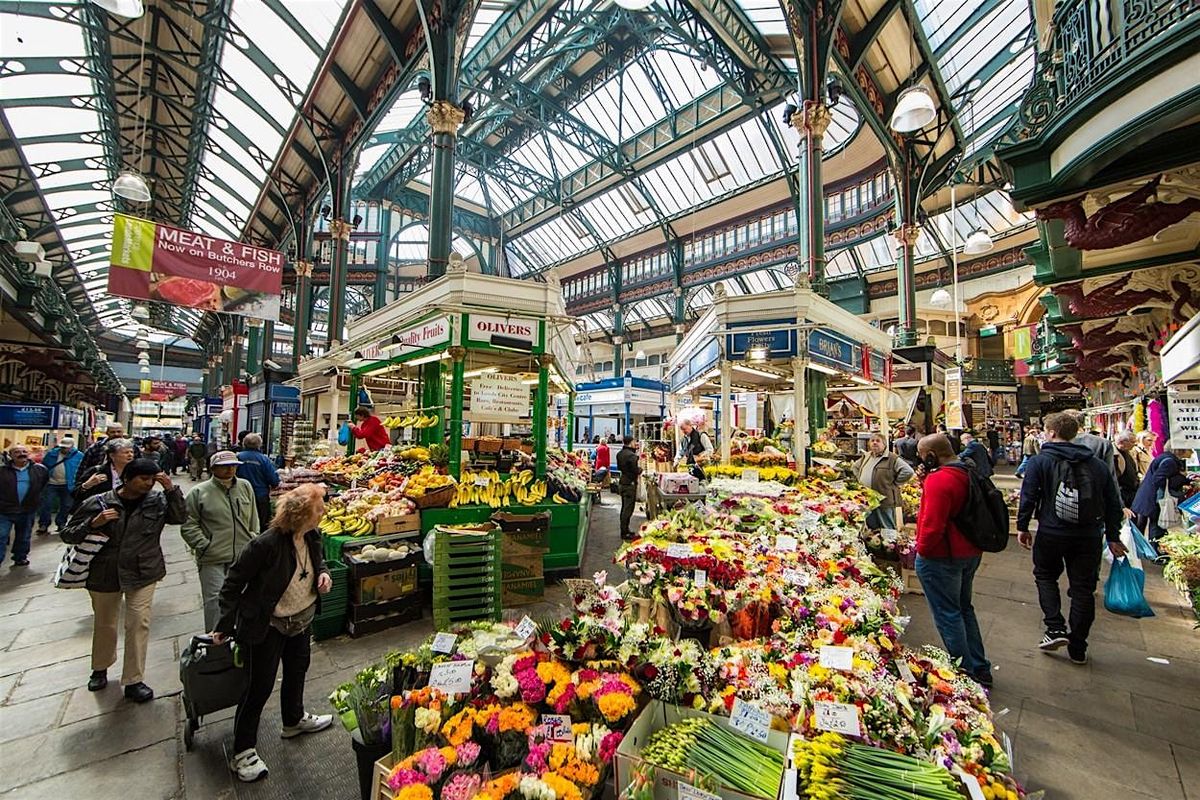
{"x":339,"y":229}
{"x":908,"y":234}
{"x":445,"y":117}
{"x":812,"y":119}
{"x":304,"y":269}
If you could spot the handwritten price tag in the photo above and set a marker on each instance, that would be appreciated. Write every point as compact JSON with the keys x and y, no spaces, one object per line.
{"x":525,"y":628}
{"x":557,"y":727}
{"x":837,"y":718}
{"x":796,"y":576}
{"x":482,"y":480}
{"x":837,"y":657}
{"x":906,"y":672}
{"x":679,"y":550}
{"x":444,"y":643}
{"x":750,"y":720}
{"x":750,"y":475}
{"x":452,"y":677}
{"x":701,"y":578}
{"x":689,"y":792}
{"x":785,"y":543}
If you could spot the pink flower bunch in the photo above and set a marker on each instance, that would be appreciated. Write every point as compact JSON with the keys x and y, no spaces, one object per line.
{"x":463,"y":786}
{"x":563,"y":701}
{"x":467,"y":753}
{"x":539,"y":752}
{"x":404,"y":777}
{"x":532,"y":688}
{"x":432,"y":763}
{"x":609,"y":745}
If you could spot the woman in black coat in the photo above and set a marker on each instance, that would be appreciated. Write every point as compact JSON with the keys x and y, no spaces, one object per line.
{"x":107,"y":475}
{"x":268,"y":601}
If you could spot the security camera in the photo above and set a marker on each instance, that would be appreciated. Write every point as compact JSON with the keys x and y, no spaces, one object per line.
{"x":269,"y":364}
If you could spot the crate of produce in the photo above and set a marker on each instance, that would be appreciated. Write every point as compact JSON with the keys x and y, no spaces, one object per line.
{"x":377,"y":624}
{"x":436,"y":498}
{"x":531,"y":530}
{"x":359,"y":613}
{"x":466,"y":575}
{"x":398,"y":582}
{"x":511,"y":444}
{"x":376,"y":558}
{"x":405,"y":523}
{"x":489,"y":444}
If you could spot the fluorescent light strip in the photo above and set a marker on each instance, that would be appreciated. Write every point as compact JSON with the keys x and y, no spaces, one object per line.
{"x":823,"y":368}
{"x":761,"y":372}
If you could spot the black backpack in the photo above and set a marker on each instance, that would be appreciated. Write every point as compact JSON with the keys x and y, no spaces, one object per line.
{"x":984,"y":517}
{"x":1074,"y":495}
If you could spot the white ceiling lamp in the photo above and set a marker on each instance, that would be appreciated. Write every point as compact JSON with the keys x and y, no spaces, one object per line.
{"x":940,"y":298}
{"x":635,"y":5}
{"x":132,"y":186}
{"x":978,"y":242}
{"x":145,"y":370}
{"x":914,"y":110}
{"x":640,"y":354}
{"x":130,"y":9}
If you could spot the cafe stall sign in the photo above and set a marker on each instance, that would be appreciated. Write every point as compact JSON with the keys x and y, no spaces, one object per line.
{"x":501,"y":398}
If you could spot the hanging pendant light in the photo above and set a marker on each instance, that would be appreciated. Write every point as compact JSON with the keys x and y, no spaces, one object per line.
{"x":635,"y":5}
{"x":978,"y":242}
{"x":130,"y":9}
{"x":914,"y":110}
{"x":940,"y":298}
{"x":145,"y":370}
{"x":132,"y":186}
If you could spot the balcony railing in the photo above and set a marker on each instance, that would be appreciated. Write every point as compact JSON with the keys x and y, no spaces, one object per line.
{"x":994,"y":371}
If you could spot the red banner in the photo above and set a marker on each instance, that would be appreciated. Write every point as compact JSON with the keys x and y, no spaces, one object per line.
{"x":152,"y":261}
{"x":162,"y":390}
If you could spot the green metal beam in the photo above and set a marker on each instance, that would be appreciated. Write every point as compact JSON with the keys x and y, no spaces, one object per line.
{"x":861,"y":42}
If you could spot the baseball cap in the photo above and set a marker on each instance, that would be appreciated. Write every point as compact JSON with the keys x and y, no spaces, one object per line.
{"x":224,"y":458}
{"x":67,"y":439}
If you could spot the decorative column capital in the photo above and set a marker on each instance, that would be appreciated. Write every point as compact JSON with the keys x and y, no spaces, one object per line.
{"x":339,"y":229}
{"x":457,"y":352}
{"x":304,"y":269}
{"x":812,"y":120}
{"x":546,"y":360}
{"x":445,"y":117}
{"x":254,"y":322}
{"x":908,"y":234}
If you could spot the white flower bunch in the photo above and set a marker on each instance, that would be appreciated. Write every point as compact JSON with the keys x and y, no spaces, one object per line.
{"x":532,"y":788}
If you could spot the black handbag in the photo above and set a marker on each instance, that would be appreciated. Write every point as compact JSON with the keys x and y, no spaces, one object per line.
{"x":214,"y":676}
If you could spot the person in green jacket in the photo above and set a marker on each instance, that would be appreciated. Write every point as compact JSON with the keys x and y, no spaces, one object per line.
{"x":222,"y":518}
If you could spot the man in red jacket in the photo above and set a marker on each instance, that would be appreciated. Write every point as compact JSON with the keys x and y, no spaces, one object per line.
{"x":370,"y":429}
{"x":946,"y":560}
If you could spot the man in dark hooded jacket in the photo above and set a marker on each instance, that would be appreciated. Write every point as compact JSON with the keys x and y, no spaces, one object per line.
{"x":1075,"y":499}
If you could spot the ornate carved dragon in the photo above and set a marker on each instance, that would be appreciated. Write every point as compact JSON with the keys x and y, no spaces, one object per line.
{"x":1108,"y":300}
{"x":1130,"y":219}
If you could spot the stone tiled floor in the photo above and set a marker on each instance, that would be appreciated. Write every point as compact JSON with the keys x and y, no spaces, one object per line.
{"x":1121,"y":727}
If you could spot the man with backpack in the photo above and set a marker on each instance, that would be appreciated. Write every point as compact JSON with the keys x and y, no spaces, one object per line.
{"x":1075,"y":499}
{"x":954,"y":503}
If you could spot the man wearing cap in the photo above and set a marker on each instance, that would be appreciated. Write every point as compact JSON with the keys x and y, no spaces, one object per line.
{"x":96,"y":454}
{"x":127,"y":567}
{"x":222,"y":517}
{"x":63,"y":464}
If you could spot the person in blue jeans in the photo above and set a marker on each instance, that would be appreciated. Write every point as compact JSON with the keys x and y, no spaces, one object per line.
{"x":260,"y":472}
{"x":62,"y":464}
{"x":946,"y":560}
{"x":21,"y":485}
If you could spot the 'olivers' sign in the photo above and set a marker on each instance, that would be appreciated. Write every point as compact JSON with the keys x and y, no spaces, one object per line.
{"x":517,"y":333}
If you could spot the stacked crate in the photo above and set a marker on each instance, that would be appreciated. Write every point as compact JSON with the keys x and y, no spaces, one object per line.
{"x":383,"y":594}
{"x":466,"y":576}
{"x":522,"y":557}
{"x":332,"y":619}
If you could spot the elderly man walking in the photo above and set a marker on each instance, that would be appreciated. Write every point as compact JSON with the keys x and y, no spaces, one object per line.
{"x":222,"y":517}
{"x":21,"y":485}
{"x":261,"y":473}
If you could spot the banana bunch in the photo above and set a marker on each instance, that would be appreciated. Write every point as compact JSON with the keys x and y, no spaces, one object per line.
{"x":415,"y":454}
{"x":416,"y":421}
{"x":343,"y":523}
{"x":527,"y":491}
{"x":482,"y":487}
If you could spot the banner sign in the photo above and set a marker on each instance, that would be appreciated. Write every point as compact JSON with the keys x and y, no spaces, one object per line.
{"x":421,"y":336}
{"x":499,"y":398}
{"x":162,"y":390}
{"x":762,"y":344}
{"x":829,"y":348}
{"x":1185,"y":419}
{"x":954,"y":399}
{"x":515,"y":333}
{"x":1022,"y":341}
{"x":16,"y":415}
{"x":152,"y":261}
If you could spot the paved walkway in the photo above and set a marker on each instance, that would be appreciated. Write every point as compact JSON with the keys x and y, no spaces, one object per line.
{"x":1121,"y":727}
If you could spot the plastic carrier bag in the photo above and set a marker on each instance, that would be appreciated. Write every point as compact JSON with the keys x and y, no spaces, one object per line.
{"x":1124,"y":591}
{"x":1168,"y":512}
{"x":1141,"y":545}
{"x":344,"y":434}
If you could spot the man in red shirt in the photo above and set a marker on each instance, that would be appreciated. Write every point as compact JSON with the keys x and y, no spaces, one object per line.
{"x":370,"y":429}
{"x":946,"y":560}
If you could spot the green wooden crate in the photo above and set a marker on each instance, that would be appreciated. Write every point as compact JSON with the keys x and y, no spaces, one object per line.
{"x":466,"y":577}
{"x":333,"y":547}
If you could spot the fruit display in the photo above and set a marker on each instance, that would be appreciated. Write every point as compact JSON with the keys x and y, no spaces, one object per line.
{"x":340,"y":522}
{"x":380,"y":553}
{"x":487,"y":487}
{"x":425,"y":482}
{"x":415,"y":421}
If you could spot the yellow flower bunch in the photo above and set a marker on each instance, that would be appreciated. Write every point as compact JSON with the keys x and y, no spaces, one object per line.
{"x":518,"y":717}
{"x":415,"y":791}
{"x":563,"y":788}
{"x":459,"y":728}
{"x":615,"y":705}
{"x":553,"y":672}
{"x":498,"y":788}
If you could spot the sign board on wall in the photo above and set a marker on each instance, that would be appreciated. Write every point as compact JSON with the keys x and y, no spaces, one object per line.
{"x":515,"y":333}
{"x":1184,"y":410}
{"x":153,"y":261}
{"x":829,"y":348}
{"x":954,"y":399}
{"x":908,"y":376}
{"x":16,"y":415}
{"x":766,"y":342}
{"x":162,"y":390}
{"x":499,"y":398}
{"x":423,"y":335}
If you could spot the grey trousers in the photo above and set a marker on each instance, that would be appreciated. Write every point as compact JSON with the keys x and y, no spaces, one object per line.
{"x":212,"y":577}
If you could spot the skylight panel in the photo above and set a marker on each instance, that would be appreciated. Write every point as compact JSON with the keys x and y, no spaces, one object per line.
{"x":51,"y":121}
{"x":253,"y":82}
{"x":73,"y":177}
{"x":253,"y":126}
{"x":766,"y":15}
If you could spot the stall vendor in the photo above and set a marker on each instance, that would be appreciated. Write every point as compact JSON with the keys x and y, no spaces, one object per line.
{"x":695,"y":449}
{"x":370,"y":429}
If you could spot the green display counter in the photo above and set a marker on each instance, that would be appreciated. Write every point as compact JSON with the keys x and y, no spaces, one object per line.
{"x":568,"y":529}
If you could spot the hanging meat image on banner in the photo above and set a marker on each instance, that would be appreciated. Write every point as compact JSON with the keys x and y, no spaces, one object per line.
{"x":152,"y":261}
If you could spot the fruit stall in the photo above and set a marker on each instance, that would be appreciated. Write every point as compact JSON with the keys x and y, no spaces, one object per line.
{"x":795,"y":344}
{"x":754,"y":651}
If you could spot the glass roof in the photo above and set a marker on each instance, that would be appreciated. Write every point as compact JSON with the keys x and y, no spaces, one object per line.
{"x":54,"y":108}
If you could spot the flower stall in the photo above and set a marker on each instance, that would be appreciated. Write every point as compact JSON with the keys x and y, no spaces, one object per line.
{"x":752,"y":633}
{"x":791,"y":343}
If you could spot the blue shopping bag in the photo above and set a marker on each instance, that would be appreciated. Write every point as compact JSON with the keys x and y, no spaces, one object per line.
{"x":1124,"y":591}
{"x":1141,"y":545}
{"x":344,"y":433}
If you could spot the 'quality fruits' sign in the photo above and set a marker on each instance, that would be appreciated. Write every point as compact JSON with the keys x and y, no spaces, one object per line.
{"x":152,"y":261}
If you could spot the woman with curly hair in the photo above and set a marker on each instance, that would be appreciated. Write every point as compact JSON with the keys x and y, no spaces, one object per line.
{"x":268,"y":601}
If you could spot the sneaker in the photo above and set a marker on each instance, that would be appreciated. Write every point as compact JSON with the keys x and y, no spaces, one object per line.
{"x":984,"y":679}
{"x":98,"y":680}
{"x":43,"y":531}
{"x":20,"y":562}
{"x":309,"y":723}
{"x":1080,"y":659}
{"x":1053,"y":640}
{"x":248,"y":766}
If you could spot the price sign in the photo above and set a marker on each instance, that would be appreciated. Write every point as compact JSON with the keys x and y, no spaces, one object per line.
{"x":525,"y":628}
{"x":837,"y":657}
{"x":444,"y":643}
{"x":452,"y":677}
{"x":482,"y":480}
{"x":679,"y":550}
{"x":785,"y":543}
{"x":837,"y":718}
{"x":701,"y":578}
{"x":906,"y":672}
{"x":796,"y":576}
{"x":750,"y":475}
{"x":557,"y":727}
{"x":689,"y":792}
{"x":750,"y":720}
